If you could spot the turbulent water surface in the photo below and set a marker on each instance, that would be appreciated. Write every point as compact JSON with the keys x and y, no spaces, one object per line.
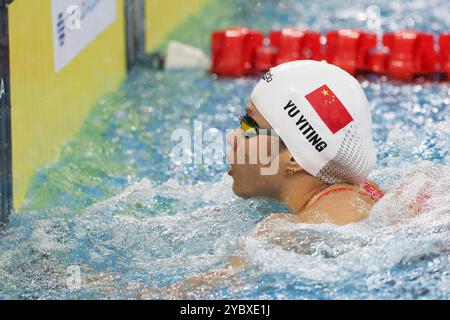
{"x":117,"y":212}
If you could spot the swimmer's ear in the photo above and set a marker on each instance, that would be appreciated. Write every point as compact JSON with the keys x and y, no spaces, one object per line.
{"x":292,"y":166}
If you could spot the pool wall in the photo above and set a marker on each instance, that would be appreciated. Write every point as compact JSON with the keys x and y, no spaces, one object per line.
{"x":52,"y":92}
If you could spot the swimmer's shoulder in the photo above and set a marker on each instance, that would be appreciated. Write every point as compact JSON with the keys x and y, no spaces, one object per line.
{"x":341,"y":204}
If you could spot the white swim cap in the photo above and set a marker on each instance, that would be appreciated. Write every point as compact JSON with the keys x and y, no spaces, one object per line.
{"x":322,"y":115}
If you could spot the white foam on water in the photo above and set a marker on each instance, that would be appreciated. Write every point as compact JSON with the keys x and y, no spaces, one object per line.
{"x":121,"y":237}
{"x":394,"y":235}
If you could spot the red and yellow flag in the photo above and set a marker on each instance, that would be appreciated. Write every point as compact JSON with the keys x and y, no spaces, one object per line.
{"x":330,"y":109}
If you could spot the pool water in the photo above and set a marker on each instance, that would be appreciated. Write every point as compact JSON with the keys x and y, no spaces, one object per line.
{"x":124,"y":220}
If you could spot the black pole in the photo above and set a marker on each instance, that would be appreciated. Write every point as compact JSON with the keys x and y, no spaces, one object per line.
{"x":135,"y":31}
{"x":6,"y":197}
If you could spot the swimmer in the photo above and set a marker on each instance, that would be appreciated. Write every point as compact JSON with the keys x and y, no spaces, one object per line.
{"x":319,"y":116}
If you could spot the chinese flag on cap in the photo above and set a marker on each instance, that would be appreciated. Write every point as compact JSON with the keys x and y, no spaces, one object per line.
{"x":329,"y":108}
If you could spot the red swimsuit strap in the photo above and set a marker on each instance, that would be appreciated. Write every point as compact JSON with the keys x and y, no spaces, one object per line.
{"x":370,"y":191}
{"x":333,"y":190}
{"x":374,"y":193}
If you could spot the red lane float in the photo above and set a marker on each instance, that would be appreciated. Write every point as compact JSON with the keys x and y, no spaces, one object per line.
{"x":401,"y":55}
{"x":234,"y":50}
{"x":444,"y":54}
{"x":266,"y":58}
{"x":296,"y":44}
{"x":377,"y":62}
{"x":349,"y":49}
{"x":411,"y":53}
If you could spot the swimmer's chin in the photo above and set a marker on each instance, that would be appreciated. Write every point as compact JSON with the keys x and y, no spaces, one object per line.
{"x":241,"y":193}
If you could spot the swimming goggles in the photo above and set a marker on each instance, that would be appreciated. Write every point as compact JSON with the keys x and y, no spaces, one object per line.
{"x":250,"y":127}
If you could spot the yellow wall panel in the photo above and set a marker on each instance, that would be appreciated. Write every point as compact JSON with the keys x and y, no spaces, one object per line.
{"x":163,"y":15}
{"x":48,"y":108}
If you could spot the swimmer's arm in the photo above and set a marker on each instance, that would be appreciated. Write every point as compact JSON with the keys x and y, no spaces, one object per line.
{"x":340,"y":209}
{"x":192,"y":286}
{"x":196,"y":285}
{"x":211,"y":279}
{"x":237,"y":262}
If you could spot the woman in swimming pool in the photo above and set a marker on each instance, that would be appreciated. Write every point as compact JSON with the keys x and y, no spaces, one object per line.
{"x":312,"y":121}
{"x":325,"y":150}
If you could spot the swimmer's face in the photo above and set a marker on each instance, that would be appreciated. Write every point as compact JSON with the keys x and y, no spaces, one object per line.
{"x":258,"y":163}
